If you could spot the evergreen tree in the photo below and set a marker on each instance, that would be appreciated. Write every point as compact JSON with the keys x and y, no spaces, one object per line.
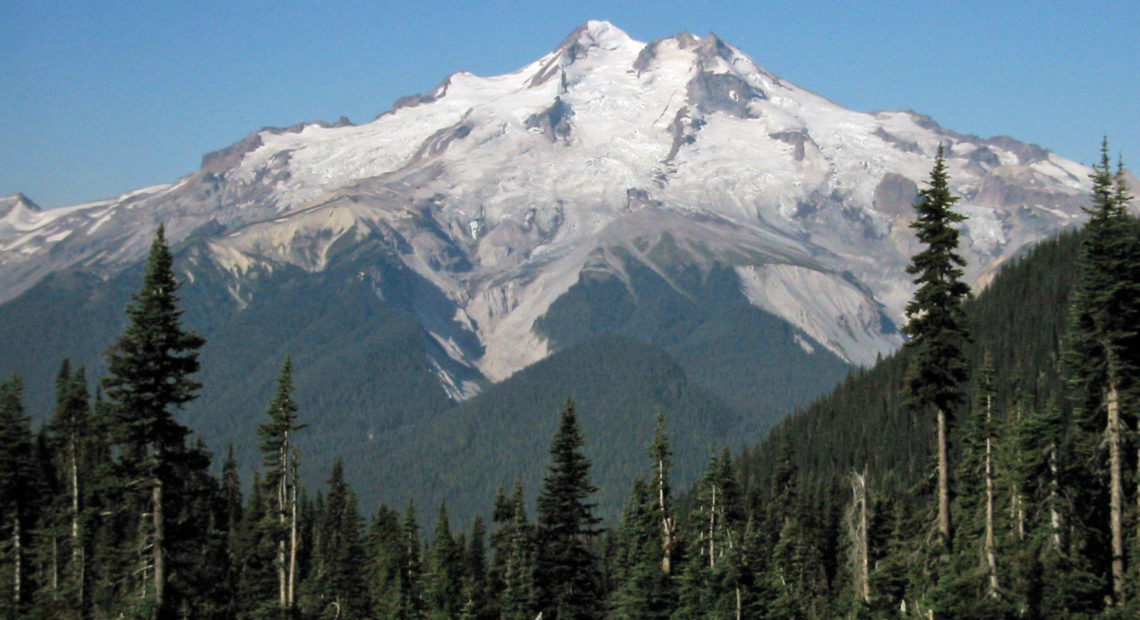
{"x":716,"y":521}
{"x":67,"y":440}
{"x":1103,"y":353}
{"x":230,"y":524}
{"x":281,"y":475}
{"x":338,"y":581}
{"x":642,"y":589}
{"x":513,"y":567}
{"x":973,"y":586}
{"x":936,"y":323}
{"x":662,"y":455}
{"x":18,"y":499}
{"x":444,"y":569}
{"x":411,"y":602}
{"x":150,"y":368}
{"x":384,"y":549}
{"x":567,"y":576}
{"x":254,"y":578}
{"x":477,"y":590}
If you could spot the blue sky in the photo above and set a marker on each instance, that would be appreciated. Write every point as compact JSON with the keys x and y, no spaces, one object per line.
{"x":97,"y":98}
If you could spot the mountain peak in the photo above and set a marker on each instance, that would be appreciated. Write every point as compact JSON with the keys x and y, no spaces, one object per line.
{"x":9,"y":204}
{"x":592,"y":34}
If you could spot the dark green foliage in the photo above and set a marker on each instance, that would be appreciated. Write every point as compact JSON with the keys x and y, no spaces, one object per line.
{"x":1103,"y":343}
{"x":337,"y":581}
{"x":149,"y":377}
{"x":19,"y":496}
{"x":280,"y":457}
{"x":150,"y":366}
{"x":514,"y":562}
{"x":567,"y":575}
{"x":444,"y":574}
{"x":936,"y":321}
{"x":643,"y":589}
{"x":254,"y":555}
{"x":69,"y":449}
{"x":647,"y":546}
{"x":384,"y":549}
{"x":1103,"y":362}
{"x":477,"y":591}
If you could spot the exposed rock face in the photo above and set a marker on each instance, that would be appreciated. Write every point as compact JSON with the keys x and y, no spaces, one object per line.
{"x":895,"y":195}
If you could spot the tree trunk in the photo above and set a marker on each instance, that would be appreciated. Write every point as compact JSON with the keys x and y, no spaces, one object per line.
{"x":17,"y":560}
{"x":293,"y":537}
{"x":282,"y":523}
{"x":857,"y":530}
{"x":1116,"y":491}
{"x":1055,"y":518}
{"x":159,"y":515}
{"x":712,"y":530}
{"x":990,"y":544}
{"x":78,"y":557}
{"x":943,"y":482}
{"x":53,"y":570}
{"x":668,"y":526}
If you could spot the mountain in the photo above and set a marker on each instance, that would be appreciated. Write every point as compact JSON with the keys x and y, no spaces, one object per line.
{"x":674,"y":194}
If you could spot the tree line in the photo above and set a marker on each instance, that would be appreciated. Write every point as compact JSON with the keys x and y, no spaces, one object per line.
{"x":1030,"y":507}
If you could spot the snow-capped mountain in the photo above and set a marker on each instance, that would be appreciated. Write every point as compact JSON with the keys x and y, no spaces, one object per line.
{"x":682,"y":156}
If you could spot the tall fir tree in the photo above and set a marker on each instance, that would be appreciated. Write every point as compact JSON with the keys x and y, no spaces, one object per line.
{"x":384,"y":550}
{"x":18,"y":499}
{"x":150,"y":370}
{"x":1103,"y":352}
{"x":568,"y":578}
{"x":69,"y":438}
{"x":514,"y":561}
{"x":281,"y":480}
{"x":411,"y":600}
{"x":444,"y":571}
{"x":662,"y":454}
{"x":936,"y":324}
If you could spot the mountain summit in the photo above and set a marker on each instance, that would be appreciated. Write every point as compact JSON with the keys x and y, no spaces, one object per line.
{"x":673,"y":192}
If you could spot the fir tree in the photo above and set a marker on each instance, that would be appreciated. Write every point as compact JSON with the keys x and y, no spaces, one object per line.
{"x":150,"y":368}
{"x":477,"y":590}
{"x":936,"y":323}
{"x":18,"y":494}
{"x":281,"y":474}
{"x":443,"y":571}
{"x":68,"y":440}
{"x":1104,"y":345}
{"x":338,"y":582}
{"x":411,"y":602}
{"x":230,"y":524}
{"x":642,"y":590}
{"x":662,"y":455}
{"x":383,"y":550}
{"x":513,"y":567}
{"x":567,"y":575}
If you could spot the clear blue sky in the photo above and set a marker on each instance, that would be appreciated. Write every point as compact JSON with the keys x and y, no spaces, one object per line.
{"x":97,"y":98}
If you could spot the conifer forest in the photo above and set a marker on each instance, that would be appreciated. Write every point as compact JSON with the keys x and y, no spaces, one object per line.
{"x":989,"y":469}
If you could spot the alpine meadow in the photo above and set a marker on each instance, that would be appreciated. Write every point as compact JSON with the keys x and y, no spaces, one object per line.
{"x":638,"y":330}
